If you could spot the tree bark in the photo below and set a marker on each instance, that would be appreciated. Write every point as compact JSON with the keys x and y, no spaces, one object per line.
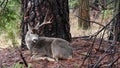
{"x":35,"y":11}
{"x":84,"y":14}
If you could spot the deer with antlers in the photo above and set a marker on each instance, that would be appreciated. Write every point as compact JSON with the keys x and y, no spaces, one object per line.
{"x":48,"y":48}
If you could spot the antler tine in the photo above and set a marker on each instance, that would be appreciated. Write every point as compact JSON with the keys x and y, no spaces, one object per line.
{"x":45,"y":17}
{"x":45,"y":21}
{"x":48,"y":22}
{"x":37,"y":26}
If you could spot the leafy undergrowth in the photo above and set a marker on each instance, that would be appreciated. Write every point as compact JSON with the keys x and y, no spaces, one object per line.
{"x":11,"y":56}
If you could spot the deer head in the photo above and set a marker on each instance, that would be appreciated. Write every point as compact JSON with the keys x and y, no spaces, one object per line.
{"x":32,"y":33}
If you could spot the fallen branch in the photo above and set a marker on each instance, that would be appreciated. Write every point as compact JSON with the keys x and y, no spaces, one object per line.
{"x":101,"y":58}
{"x":21,"y":55}
{"x":89,"y":52}
{"x":111,"y":64}
{"x":101,"y":39}
{"x":104,"y":54}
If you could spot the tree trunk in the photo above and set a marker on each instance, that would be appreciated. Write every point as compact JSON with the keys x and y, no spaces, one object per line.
{"x":116,"y":23}
{"x":35,"y":11}
{"x":84,"y":14}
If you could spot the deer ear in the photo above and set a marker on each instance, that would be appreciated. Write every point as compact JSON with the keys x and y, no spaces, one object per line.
{"x":29,"y":28}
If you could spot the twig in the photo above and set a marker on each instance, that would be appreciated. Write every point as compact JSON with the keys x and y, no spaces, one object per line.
{"x":109,"y":48}
{"x":21,"y":55}
{"x":101,"y":58}
{"x":97,"y":23}
{"x":82,"y":37}
{"x":106,"y":25}
{"x":89,"y":21}
{"x":89,"y":52}
{"x":101,"y":39}
{"x":104,"y":54}
{"x":111,"y":64}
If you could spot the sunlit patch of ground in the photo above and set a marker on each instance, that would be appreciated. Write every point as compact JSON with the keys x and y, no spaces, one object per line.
{"x":7,"y":42}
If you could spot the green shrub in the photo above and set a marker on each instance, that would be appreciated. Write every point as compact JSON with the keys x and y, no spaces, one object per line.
{"x":73,"y":3}
{"x":18,"y":65}
{"x":10,"y":18}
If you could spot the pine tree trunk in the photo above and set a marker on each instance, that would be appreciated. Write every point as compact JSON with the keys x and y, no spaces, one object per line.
{"x":35,"y":11}
{"x":84,"y":14}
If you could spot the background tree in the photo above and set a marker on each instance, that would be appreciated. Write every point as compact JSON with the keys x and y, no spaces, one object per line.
{"x":116,"y":23}
{"x":84,"y":14}
{"x":34,"y":11}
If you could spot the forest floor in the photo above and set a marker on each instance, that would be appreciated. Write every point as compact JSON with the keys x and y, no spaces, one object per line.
{"x":110,"y":58}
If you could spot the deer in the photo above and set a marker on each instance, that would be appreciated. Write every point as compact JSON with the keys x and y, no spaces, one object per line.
{"x":49,"y":48}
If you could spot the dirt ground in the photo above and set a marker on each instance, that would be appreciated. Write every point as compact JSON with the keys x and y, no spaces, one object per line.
{"x":10,"y":56}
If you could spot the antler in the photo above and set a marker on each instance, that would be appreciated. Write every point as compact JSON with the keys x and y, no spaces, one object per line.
{"x":44,"y":22}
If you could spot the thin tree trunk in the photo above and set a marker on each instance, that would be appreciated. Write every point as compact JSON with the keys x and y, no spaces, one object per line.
{"x":84,"y":14}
